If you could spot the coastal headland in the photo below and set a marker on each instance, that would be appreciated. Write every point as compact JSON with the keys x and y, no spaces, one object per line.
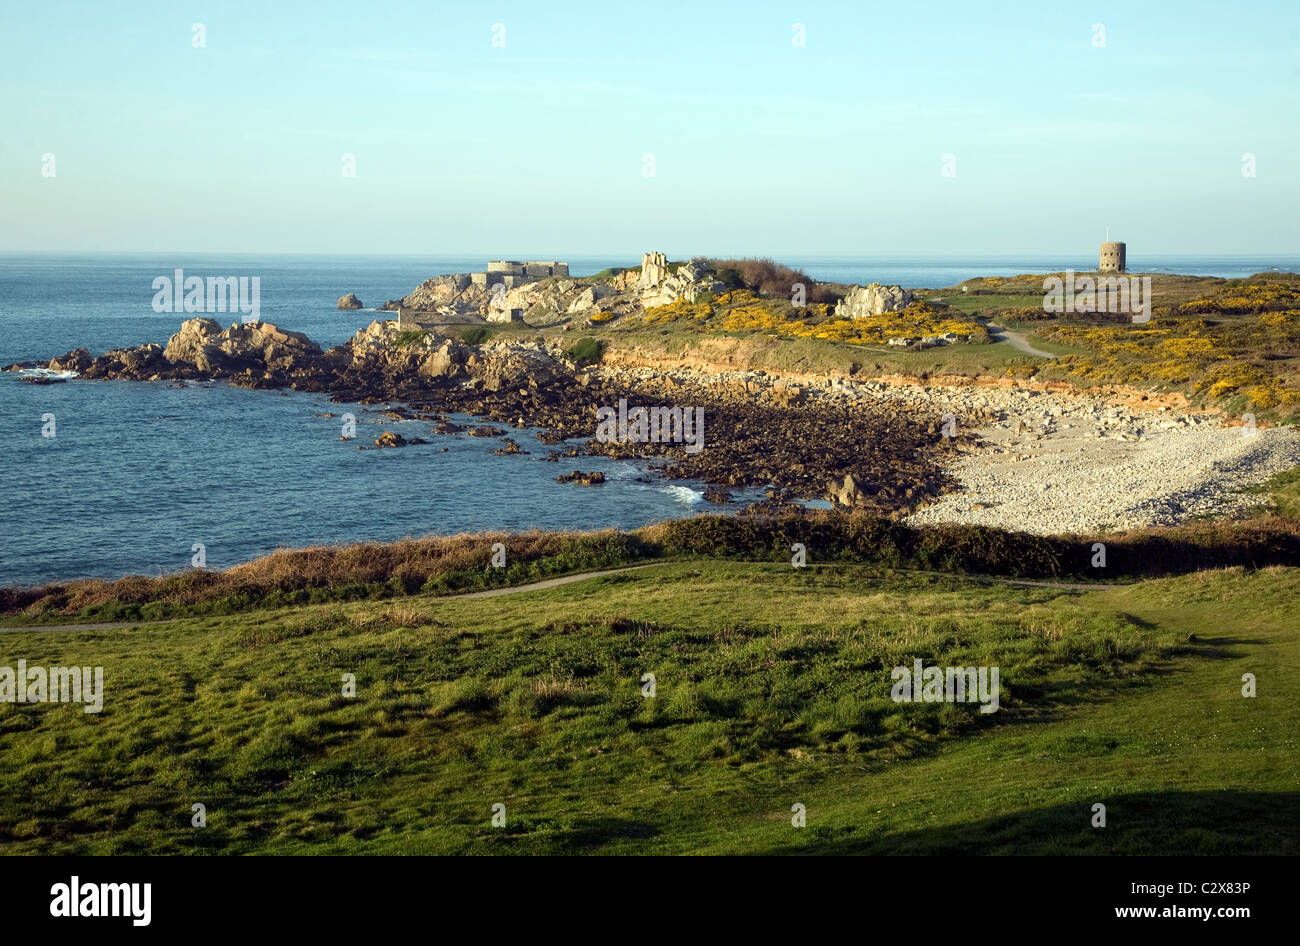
{"x":926,"y":403}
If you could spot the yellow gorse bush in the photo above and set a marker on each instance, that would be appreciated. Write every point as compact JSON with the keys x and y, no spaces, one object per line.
{"x":740,"y":310}
{"x":1212,"y":359}
{"x":1244,"y":300}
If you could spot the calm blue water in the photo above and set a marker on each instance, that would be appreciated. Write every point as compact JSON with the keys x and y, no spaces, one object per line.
{"x":139,"y":472}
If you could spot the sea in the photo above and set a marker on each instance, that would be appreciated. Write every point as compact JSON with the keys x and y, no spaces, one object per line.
{"x":101,"y":479}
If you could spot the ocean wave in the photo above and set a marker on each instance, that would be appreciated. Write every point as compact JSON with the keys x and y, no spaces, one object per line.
{"x":623,"y":472}
{"x":683,"y":494}
{"x":45,"y":373}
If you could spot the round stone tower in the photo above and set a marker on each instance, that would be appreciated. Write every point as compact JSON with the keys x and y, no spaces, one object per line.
{"x":1112,"y":258}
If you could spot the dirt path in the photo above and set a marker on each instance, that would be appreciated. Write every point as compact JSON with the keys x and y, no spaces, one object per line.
{"x":548,"y":583}
{"x":1016,"y":340}
{"x":490,"y":593}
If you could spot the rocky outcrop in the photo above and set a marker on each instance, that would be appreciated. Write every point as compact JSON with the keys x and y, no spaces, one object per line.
{"x":875,"y":299}
{"x":146,"y":362}
{"x":195,"y":334}
{"x":256,"y":347}
{"x":456,"y":291}
{"x":253,"y":354}
{"x":350,"y":301}
{"x":845,"y":492}
{"x":692,"y":280}
{"x":588,"y":298}
{"x":78,"y":361}
{"x":654,"y":270}
{"x":595,"y":478}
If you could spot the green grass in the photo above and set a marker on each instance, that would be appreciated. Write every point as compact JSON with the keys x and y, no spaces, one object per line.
{"x":475,"y":335}
{"x":605,"y":275}
{"x":1283,"y":491}
{"x":408,"y":338}
{"x":772,"y":689}
{"x":973,"y":304}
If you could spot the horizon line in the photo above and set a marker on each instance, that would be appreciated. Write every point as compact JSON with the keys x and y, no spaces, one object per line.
{"x":1037,"y":254}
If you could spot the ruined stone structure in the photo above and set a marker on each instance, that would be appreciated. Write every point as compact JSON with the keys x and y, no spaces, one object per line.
{"x":414,"y":319}
{"x":1112,"y":258}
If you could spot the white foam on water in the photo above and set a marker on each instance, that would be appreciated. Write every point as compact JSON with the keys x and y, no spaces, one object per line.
{"x":46,"y":373}
{"x":684,"y":494}
{"x":622,"y":472}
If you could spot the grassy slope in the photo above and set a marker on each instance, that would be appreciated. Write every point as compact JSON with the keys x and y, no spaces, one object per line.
{"x":772,"y":689}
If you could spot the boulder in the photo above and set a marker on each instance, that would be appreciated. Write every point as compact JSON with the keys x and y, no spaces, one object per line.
{"x":845,"y":493}
{"x":585,"y":300}
{"x":78,"y":361}
{"x":692,"y":280}
{"x":350,"y":301}
{"x":257,"y":347}
{"x":595,"y":478}
{"x":863,"y":301}
{"x":194,"y":334}
{"x":390,"y":439}
{"x":443,"y":361}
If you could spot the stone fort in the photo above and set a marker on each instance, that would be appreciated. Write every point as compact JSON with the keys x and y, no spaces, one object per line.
{"x":511,"y":273}
{"x":1112,"y":258}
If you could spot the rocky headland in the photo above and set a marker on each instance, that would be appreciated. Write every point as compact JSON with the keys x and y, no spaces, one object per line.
{"x":761,"y":430}
{"x":1018,"y":455}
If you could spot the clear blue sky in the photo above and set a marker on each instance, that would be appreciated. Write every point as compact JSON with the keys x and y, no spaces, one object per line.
{"x":760,"y":146}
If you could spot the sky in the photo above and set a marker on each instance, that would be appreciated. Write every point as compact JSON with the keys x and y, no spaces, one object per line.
{"x":540,"y":130}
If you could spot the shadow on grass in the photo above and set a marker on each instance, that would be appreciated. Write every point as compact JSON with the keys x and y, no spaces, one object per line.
{"x":1206,"y":822}
{"x":561,"y":836}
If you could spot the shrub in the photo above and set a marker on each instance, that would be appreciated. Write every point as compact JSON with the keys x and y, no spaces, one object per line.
{"x":375,"y":571}
{"x":586,"y":351}
{"x":770,"y":278}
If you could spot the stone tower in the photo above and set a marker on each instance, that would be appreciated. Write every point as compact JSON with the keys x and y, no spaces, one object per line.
{"x":1112,"y":258}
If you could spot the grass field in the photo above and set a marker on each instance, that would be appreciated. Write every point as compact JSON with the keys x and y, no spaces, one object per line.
{"x":772,"y":688}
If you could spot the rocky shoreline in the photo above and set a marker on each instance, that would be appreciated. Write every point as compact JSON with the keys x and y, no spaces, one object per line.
{"x":1025,"y":457}
{"x":761,"y":431}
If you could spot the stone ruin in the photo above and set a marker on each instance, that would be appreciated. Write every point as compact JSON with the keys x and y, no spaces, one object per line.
{"x":497,"y":313}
